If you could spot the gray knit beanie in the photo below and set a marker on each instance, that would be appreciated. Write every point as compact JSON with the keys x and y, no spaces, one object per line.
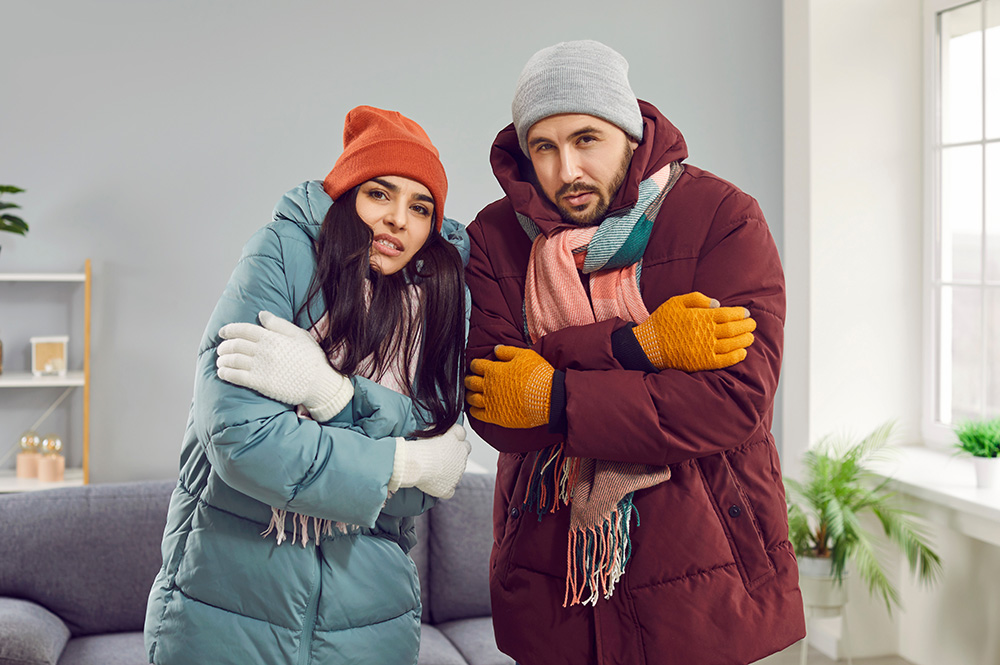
{"x":575,"y":77}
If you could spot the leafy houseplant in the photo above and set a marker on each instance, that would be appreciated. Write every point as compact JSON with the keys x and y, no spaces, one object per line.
{"x":8,"y":222}
{"x":826,"y":506}
{"x":981,"y":439}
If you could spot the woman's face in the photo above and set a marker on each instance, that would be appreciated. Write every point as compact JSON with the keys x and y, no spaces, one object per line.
{"x":400,"y":213}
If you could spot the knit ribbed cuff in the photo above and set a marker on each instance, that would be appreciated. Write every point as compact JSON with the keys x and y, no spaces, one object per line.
{"x":333,"y":392}
{"x":398,"y":465}
{"x":628,"y":352}
{"x":558,"y":424}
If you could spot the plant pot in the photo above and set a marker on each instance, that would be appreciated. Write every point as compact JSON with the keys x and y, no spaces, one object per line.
{"x":821,"y":592}
{"x":987,"y":473}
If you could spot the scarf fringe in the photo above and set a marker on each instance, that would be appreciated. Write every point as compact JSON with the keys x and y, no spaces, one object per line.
{"x":301,"y":527}
{"x":596,"y":556}
{"x":553,"y":478}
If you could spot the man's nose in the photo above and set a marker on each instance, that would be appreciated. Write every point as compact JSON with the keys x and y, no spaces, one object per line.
{"x":569,"y":166}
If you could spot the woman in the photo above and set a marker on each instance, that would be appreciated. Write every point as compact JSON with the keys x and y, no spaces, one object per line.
{"x":282,"y":446}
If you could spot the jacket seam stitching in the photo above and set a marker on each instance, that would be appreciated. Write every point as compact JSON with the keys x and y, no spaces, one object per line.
{"x":702,"y":573}
{"x":764,"y":310}
{"x":175,"y":587}
{"x":493,"y":272}
{"x":634,"y":616}
{"x":298,"y":485}
{"x":172,"y":587}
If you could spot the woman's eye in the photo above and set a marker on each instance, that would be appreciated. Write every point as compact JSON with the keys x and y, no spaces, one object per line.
{"x":421,"y":210}
{"x":378,"y":194}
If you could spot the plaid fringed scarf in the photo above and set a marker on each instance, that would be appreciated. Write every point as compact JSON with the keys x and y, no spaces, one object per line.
{"x":598,"y":492}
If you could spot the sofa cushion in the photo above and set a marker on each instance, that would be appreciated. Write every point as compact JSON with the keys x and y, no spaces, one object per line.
{"x":474,"y":640}
{"x":88,"y":554}
{"x":460,"y":542}
{"x":435,"y":649}
{"x":32,"y":634}
{"x":113,"y":649}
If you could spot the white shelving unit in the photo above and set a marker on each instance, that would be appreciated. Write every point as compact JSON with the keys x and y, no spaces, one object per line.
{"x":78,"y":379}
{"x":11,"y":483}
{"x":29,"y":380}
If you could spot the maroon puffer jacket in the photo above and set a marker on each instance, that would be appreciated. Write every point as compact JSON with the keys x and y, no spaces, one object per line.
{"x":712,"y":579}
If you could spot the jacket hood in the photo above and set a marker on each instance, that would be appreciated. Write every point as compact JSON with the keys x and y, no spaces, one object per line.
{"x":307,"y":204}
{"x":661,"y":144}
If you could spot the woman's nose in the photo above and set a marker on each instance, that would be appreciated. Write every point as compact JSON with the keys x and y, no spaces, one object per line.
{"x":396,"y":216}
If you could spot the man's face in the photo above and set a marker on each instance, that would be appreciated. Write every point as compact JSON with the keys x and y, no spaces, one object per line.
{"x":580,"y":162}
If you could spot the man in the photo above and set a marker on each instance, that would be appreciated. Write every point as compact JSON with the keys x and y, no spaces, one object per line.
{"x":640,"y":513}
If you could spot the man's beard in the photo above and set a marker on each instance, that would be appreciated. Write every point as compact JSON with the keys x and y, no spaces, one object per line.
{"x":604,"y":198}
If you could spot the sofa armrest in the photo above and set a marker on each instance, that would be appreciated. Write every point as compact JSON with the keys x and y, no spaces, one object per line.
{"x":30,"y":634}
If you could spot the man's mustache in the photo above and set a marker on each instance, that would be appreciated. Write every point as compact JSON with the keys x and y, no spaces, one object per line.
{"x":576,"y":188}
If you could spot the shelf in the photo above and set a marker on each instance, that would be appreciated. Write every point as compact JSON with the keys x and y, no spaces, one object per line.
{"x":77,"y":379}
{"x":29,"y":380}
{"x":9,"y":482}
{"x":43,"y":277}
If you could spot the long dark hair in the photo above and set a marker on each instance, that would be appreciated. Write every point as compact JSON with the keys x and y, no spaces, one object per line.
{"x":387,"y":327}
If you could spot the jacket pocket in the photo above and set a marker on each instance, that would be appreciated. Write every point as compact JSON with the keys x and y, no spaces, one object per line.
{"x":507,"y":510}
{"x":737,"y":519}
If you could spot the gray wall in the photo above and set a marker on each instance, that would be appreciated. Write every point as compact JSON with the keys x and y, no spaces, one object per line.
{"x":155,"y":137}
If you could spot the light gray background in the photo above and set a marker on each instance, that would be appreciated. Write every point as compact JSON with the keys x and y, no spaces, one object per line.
{"x":155,"y":137}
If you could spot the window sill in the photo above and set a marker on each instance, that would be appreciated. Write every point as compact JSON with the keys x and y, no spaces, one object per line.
{"x":941,"y":487}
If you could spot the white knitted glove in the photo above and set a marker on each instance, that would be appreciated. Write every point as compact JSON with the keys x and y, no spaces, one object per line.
{"x":433,"y":465}
{"x":283,"y":362}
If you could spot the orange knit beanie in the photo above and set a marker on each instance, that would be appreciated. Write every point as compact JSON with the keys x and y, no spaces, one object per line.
{"x":380,"y":143}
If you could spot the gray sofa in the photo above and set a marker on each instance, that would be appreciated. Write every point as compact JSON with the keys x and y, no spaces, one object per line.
{"x":76,"y":566}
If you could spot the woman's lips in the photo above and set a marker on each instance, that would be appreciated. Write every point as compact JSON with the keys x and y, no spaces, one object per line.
{"x":387,"y":245}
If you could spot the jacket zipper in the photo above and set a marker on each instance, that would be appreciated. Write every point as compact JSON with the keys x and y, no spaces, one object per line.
{"x":312,"y":609}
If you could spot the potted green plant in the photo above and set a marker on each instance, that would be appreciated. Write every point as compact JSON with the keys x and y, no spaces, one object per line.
{"x":8,"y":222}
{"x":825,"y":509}
{"x":981,"y":440}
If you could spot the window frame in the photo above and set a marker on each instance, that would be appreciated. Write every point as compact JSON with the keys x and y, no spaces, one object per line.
{"x":936,"y":433}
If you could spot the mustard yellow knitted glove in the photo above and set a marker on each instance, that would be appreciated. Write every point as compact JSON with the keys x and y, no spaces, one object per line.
{"x":513,"y":391}
{"x":692,"y":333}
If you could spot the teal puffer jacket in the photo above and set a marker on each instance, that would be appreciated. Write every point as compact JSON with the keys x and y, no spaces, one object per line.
{"x":225,"y":594}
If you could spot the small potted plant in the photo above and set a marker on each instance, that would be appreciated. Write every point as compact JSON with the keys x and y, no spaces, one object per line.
{"x":8,"y":222}
{"x":981,"y":439}
{"x":824,"y":520}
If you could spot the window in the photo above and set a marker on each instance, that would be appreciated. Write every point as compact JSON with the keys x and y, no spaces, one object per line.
{"x":963,"y":267}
